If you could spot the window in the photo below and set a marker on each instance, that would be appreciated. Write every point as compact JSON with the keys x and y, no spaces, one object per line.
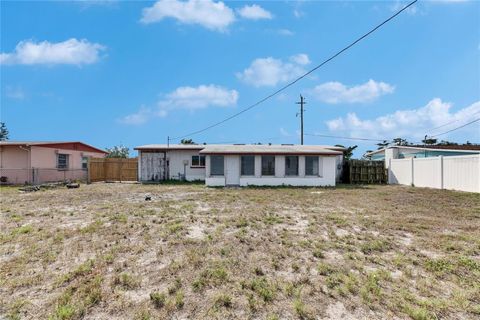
{"x":216,"y":165}
{"x":198,"y":161}
{"x":311,"y":166}
{"x":84,"y":163}
{"x":247,"y":165}
{"x":268,"y":165}
{"x":62,"y":161}
{"x":291,"y":165}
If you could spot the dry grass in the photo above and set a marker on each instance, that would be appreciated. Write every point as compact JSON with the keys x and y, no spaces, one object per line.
{"x":103,"y":252}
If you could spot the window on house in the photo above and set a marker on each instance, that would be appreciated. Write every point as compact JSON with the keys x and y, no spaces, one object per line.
{"x":247,"y":165}
{"x":198,"y":161}
{"x":291,"y":165}
{"x":268,"y":165}
{"x":311,"y":166}
{"x":84,"y":163}
{"x":216,"y":166}
{"x":62,"y":161}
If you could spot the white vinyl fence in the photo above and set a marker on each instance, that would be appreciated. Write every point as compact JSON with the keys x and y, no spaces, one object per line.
{"x":453,"y":173}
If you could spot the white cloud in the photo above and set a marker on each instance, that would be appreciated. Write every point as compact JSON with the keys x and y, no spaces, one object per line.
{"x":336,"y":92}
{"x":71,"y":51}
{"x":284,"y":132}
{"x":186,"y":98}
{"x":413,"y":123}
{"x":270,"y":71}
{"x":285,"y":32}
{"x":207,"y":13}
{"x":397,"y":5}
{"x":298,"y":13}
{"x":137,"y":118}
{"x":15,"y":93}
{"x":200,"y":97}
{"x":301,"y":59}
{"x":254,"y":12}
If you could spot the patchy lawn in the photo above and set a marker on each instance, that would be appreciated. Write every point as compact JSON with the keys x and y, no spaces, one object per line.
{"x":103,"y":252}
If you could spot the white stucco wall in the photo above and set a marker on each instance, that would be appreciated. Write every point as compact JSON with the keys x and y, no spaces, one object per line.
{"x":176,"y":166}
{"x":327,"y":173}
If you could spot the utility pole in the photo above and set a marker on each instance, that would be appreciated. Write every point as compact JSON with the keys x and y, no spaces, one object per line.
{"x":301,"y":103}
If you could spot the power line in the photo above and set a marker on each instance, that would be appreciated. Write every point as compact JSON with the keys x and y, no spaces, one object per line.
{"x":345,"y":138}
{"x":299,"y":78}
{"x":466,"y":124}
{"x":446,"y":124}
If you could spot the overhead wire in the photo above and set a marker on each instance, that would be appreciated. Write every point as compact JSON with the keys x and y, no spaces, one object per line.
{"x":297,"y":79}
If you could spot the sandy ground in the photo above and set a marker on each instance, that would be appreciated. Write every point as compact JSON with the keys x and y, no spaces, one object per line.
{"x":103,"y":252}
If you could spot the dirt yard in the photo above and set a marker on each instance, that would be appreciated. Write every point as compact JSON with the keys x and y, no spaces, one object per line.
{"x":103,"y":252}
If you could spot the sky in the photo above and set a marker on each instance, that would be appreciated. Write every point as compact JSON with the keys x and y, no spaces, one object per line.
{"x":133,"y":73}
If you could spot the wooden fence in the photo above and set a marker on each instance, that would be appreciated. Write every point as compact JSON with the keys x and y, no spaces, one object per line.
{"x":112,"y":169}
{"x":364,"y":172}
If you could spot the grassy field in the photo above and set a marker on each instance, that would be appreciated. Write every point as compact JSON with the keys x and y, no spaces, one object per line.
{"x":103,"y":252}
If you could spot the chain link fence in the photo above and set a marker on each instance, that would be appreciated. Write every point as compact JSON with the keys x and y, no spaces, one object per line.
{"x":36,"y":176}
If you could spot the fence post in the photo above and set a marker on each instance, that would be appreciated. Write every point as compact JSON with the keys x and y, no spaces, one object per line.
{"x":412,"y":175}
{"x":440,"y":158}
{"x":88,"y":171}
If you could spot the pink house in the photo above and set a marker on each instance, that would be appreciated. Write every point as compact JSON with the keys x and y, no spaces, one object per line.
{"x":37,"y":162}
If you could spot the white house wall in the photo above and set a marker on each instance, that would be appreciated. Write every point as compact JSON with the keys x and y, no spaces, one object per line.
{"x":327,"y":173}
{"x":176,"y":165}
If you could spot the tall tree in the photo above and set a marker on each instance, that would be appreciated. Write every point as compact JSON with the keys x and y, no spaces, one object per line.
{"x":429,"y":141}
{"x":187,"y":141}
{"x":3,"y":131}
{"x":348,"y":153}
{"x":382,"y":144}
{"x":118,"y":152}
{"x":400,"y":142}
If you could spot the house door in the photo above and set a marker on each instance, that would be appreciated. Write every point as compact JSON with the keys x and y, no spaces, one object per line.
{"x":232,"y":170}
{"x":153,"y":166}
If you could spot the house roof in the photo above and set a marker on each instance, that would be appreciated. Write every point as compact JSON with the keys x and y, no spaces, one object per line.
{"x":54,"y":144}
{"x":271,"y":149}
{"x":447,"y":148}
{"x":170,"y":147}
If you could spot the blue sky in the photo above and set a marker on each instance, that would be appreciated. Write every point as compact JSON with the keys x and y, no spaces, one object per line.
{"x":132,"y":73}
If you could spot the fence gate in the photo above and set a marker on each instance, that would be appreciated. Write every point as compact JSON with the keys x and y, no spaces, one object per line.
{"x":112,"y":169}
{"x":364,"y":171}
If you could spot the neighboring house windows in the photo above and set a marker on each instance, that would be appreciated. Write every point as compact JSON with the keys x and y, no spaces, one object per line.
{"x":291,"y":165}
{"x":62,"y":161}
{"x":247,"y":165}
{"x":268,"y":165}
{"x":216,"y":165}
{"x":84,"y":163}
{"x":311,"y":166}
{"x":198,"y":161}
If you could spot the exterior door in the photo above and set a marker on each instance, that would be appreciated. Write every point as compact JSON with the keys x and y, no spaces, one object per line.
{"x":232,"y":170}
{"x":153,"y":166}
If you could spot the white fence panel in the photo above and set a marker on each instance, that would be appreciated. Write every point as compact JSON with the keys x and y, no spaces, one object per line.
{"x":400,"y":171}
{"x":453,"y":173}
{"x":462,"y":173}
{"x":427,"y":172}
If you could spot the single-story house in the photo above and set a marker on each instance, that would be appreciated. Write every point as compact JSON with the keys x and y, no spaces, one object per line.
{"x":37,"y":162}
{"x":417,"y":151}
{"x":241,"y":165}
